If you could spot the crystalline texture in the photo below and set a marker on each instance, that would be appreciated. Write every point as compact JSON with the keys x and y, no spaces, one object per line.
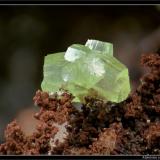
{"x":88,"y":69}
{"x":103,"y":47}
{"x":75,"y":52}
{"x":53,"y":65}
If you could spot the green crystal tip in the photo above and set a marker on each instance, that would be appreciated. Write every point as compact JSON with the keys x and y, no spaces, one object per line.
{"x":89,"y":69}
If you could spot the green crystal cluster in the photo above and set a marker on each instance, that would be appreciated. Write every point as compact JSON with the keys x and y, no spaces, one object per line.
{"x":89,"y":69}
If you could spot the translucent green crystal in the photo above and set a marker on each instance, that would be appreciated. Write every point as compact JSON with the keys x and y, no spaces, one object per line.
{"x":103,"y":47}
{"x":52,"y":69}
{"x":87,"y":70}
{"x":76,"y":51}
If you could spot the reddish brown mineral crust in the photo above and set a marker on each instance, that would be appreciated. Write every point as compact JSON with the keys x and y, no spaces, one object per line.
{"x":152,"y":134}
{"x":107,"y":141}
{"x":52,"y":110}
{"x":15,"y":140}
{"x":130,"y":127}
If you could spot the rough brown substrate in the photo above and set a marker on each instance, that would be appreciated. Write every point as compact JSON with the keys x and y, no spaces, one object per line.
{"x":131,"y":127}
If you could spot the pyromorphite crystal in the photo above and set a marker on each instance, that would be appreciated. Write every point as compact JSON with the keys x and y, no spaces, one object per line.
{"x":88,"y":69}
{"x":52,"y":69}
{"x":103,"y":47}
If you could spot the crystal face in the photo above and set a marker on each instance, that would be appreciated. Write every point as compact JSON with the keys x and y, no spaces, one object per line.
{"x":88,"y":69}
{"x":103,"y":47}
